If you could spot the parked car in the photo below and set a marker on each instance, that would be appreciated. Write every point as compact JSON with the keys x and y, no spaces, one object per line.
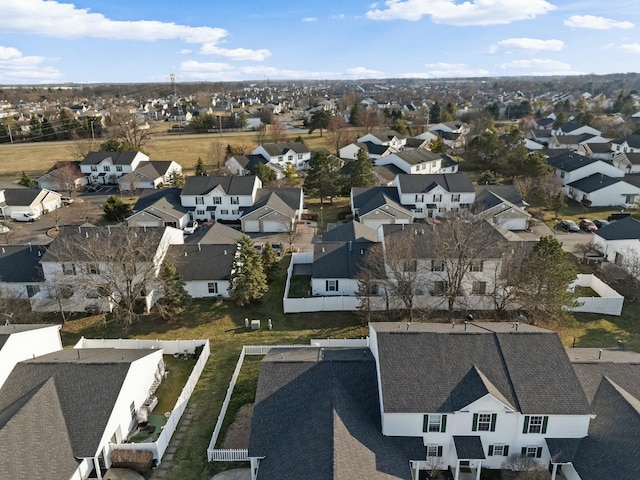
{"x":601,"y":223}
{"x":24,"y":216}
{"x":191,"y":227}
{"x":94,"y":187}
{"x":278,"y":248}
{"x":569,"y":226}
{"x":587,"y":225}
{"x":258,"y":246}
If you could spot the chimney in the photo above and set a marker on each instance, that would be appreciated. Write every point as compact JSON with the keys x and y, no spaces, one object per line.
{"x":199,"y":248}
{"x":350,"y":245}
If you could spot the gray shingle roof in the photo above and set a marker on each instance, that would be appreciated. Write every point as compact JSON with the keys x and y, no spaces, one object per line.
{"x":203,"y":261}
{"x":563,"y":450}
{"x":117,"y":158}
{"x":594,"y":182}
{"x":415,"y":157}
{"x":221,"y":234}
{"x":283,"y":200}
{"x":232,"y":184}
{"x":468,"y":447}
{"x":21,"y":196}
{"x":632,"y":140}
{"x":351,"y":231}
{"x":275,"y":149}
{"x":21,"y":263}
{"x":367,"y":199}
{"x":529,"y":367}
{"x":165,"y":199}
{"x":153,"y":169}
{"x":317,"y":417}
{"x":627,"y":228}
{"x":339,"y":259}
{"x":451,"y":182}
{"x":508,"y":192}
{"x":570,"y":161}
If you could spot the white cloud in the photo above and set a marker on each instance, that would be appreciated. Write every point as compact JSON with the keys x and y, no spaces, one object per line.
{"x":185,"y":51}
{"x":630,"y":47}
{"x":340,"y":16}
{"x":236,"y":53}
{"x":225,"y":71}
{"x":595,"y":23}
{"x":439,"y":70}
{"x":538,"y":66}
{"x":527,"y":44}
{"x":362,"y":72}
{"x":471,"y":12}
{"x":15,"y":66}
{"x":310,"y":19}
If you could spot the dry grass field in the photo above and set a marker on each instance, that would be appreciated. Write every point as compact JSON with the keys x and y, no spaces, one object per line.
{"x":36,"y":158}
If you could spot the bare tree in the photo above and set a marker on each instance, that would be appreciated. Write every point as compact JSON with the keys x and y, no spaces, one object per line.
{"x":506,"y":278}
{"x":216,"y":157}
{"x":130,"y":129}
{"x":338,"y":132}
{"x":277,"y":133}
{"x":369,"y":120}
{"x":522,"y":467}
{"x":81,"y":148}
{"x":64,"y":176}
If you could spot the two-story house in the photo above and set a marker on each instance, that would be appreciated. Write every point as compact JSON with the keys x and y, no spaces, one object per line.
{"x":151,"y":174}
{"x":433,"y":195}
{"x":570,"y":166}
{"x":628,"y":144}
{"x":283,"y":154}
{"x":620,"y":243}
{"x":375,"y":206}
{"x":212,"y":198}
{"x":420,"y":161}
{"x":108,"y":167}
{"x":388,"y":138}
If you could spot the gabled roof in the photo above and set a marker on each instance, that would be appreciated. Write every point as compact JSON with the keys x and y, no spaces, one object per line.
{"x":283,"y":200}
{"x":221,"y":234}
{"x":275,"y":149}
{"x":415,"y":157}
{"x":339,"y":259}
{"x":570,"y":161}
{"x":505,"y":192}
{"x":375,"y":149}
{"x":351,"y":231}
{"x":116,"y":158}
{"x":627,"y":228}
{"x":368,"y":199}
{"x":451,"y":182}
{"x":7,"y":330}
{"x":249,"y":161}
{"x":21,"y":196}
{"x":324,"y":401}
{"x":153,"y":169}
{"x":572,"y":139}
{"x":231,"y":184}
{"x":83,"y":386}
{"x":528,"y":367}
{"x":570,"y":127}
{"x":632,"y":140}
{"x":164,"y":200}
{"x":595,"y":182}
{"x":203,"y":261}
{"x":21,"y":263}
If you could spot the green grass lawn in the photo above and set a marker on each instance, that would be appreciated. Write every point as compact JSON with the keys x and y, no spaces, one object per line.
{"x":171,"y":387}
{"x":300,"y":286}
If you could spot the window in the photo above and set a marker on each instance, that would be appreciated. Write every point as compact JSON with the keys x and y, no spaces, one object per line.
{"x":484,"y":422}
{"x":561,"y":174}
{"x":535,"y":424}
{"x":440,"y":287}
{"x":290,"y":158}
{"x":132,"y":409}
{"x":94,"y":168}
{"x":32,"y":290}
{"x":418,"y":210}
{"x":434,"y":450}
{"x":106,"y":168}
{"x":479,"y":288}
{"x":434,"y":423}
{"x":235,"y":200}
{"x":93,"y":269}
{"x":68,"y":269}
{"x":437,"y":266}
{"x":217,"y":200}
{"x":532,"y":452}
{"x":455,"y":197}
{"x":212,"y":287}
{"x":300,"y":156}
{"x":419,"y":198}
{"x":437,"y":198}
{"x":498,"y":450}
{"x":332,"y":285}
{"x":224,"y":212}
{"x":200,"y":213}
{"x":118,"y":168}
{"x":476,"y":266}
{"x":199,"y":200}
{"x":630,"y":198}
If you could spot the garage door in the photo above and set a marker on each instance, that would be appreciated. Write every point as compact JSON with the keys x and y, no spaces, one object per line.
{"x":250,"y":226}
{"x":275,"y":227}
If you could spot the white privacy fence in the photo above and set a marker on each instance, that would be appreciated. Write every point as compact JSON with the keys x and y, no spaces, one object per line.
{"x":609,"y":302}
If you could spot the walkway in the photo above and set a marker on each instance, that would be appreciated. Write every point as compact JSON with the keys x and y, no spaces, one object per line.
{"x":167,"y":460}
{"x":237,"y":474}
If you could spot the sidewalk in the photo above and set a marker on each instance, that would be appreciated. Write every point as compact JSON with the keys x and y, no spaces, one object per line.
{"x":162,"y":471}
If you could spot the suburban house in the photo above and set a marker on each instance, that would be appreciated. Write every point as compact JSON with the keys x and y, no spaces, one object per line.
{"x":599,"y":190}
{"x":212,"y":198}
{"x":63,"y":412}
{"x":20,"y":342}
{"x":601,"y":151}
{"x":37,"y":201}
{"x":620,"y":243}
{"x":244,"y":164}
{"x":628,"y":144}
{"x":159,"y":208}
{"x":575,"y":128}
{"x":63,"y":177}
{"x":374,"y":150}
{"x":82,"y":262}
{"x":274,"y":210}
{"x":283,"y":154}
{"x":151,"y":174}
{"x":483,"y":391}
{"x":433,"y":195}
{"x":419,"y":162}
{"x":375,"y":206}
{"x":21,"y":275}
{"x":502,"y":206}
{"x":108,"y":167}
{"x":573,"y":142}
{"x":571,"y":166}
{"x":628,"y":162}
{"x":453,"y":133}
{"x":388,"y":138}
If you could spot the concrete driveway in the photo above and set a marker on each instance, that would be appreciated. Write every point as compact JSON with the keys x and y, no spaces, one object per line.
{"x":570,"y":241}
{"x":237,"y":474}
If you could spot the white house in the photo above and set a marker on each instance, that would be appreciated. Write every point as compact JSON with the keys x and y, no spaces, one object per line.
{"x":244,"y":164}
{"x":627,"y":162}
{"x":204,"y":268}
{"x":64,"y":176}
{"x":571,"y":166}
{"x":274,"y":210}
{"x":211,"y":198}
{"x":421,"y":162}
{"x":20,"y":342}
{"x":575,"y":128}
{"x":599,"y":190}
{"x":108,"y":167}
{"x":628,"y":144}
{"x":620,"y":243}
{"x":432,"y":195}
{"x":491,"y":205}
{"x":151,"y":174}
{"x":159,"y":208}
{"x":336,"y":266}
{"x":21,"y":274}
{"x":375,"y":206}
{"x":29,"y":200}
{"x":282,"y":154}
{"x":388,"y":138}
{"x":374,"y":150}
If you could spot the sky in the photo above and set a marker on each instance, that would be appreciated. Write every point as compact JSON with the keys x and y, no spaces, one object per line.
{"x":125,"y":41}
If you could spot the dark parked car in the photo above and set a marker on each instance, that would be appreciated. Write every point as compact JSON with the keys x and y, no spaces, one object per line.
{"x":618,"y":216}
{"x":587,"y":225}
{"x":601,"y":223}
{"x":569,"y":226}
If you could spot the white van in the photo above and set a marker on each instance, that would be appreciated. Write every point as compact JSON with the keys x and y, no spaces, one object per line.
{"x":24,"y":216}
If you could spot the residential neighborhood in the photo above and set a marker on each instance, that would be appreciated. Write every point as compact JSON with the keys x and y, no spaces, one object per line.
{"x":440,"y":281}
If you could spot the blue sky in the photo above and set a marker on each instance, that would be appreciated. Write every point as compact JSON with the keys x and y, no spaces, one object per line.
{"x":212,"y":40}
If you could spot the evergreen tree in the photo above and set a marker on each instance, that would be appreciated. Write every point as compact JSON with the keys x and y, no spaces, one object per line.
{"x":201,"y":171}
{"x":354,"y":115}
{"x":324,"y":178}
{"x":437,"y":145}
{"x":35,"y":129}
{"x":176,"y":180}
{"x":26,"y":180}
{"x":115,"y":210}
{"x":362,"y":174}
{"x":269,"y":260}
{"x":264,"y":173}
{"x":175,"y":298}
{"x":434,"y":113}
{"x":248,"y":282}
{"x":46,"y":129}
{"x":319,"y":121}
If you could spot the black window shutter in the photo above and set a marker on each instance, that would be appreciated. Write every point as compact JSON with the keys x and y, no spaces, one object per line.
{"x":539,"y":452}
{"x":524,"y":451}
{"x":326,"y":286}
{"x":443,"y":424}
{"x":425,"y":423}
{"x":505,"y":451}
{"x":474,"y":427}
{"x":526,"y":424}
{"x":490,"y":450}
{"x":545,"y":421}
{"x":440,"y":450}
{"x":336,"y":285}
{"x":494,"y":416}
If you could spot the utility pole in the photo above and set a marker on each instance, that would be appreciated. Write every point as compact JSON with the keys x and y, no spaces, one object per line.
{"x":10,"y":136}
